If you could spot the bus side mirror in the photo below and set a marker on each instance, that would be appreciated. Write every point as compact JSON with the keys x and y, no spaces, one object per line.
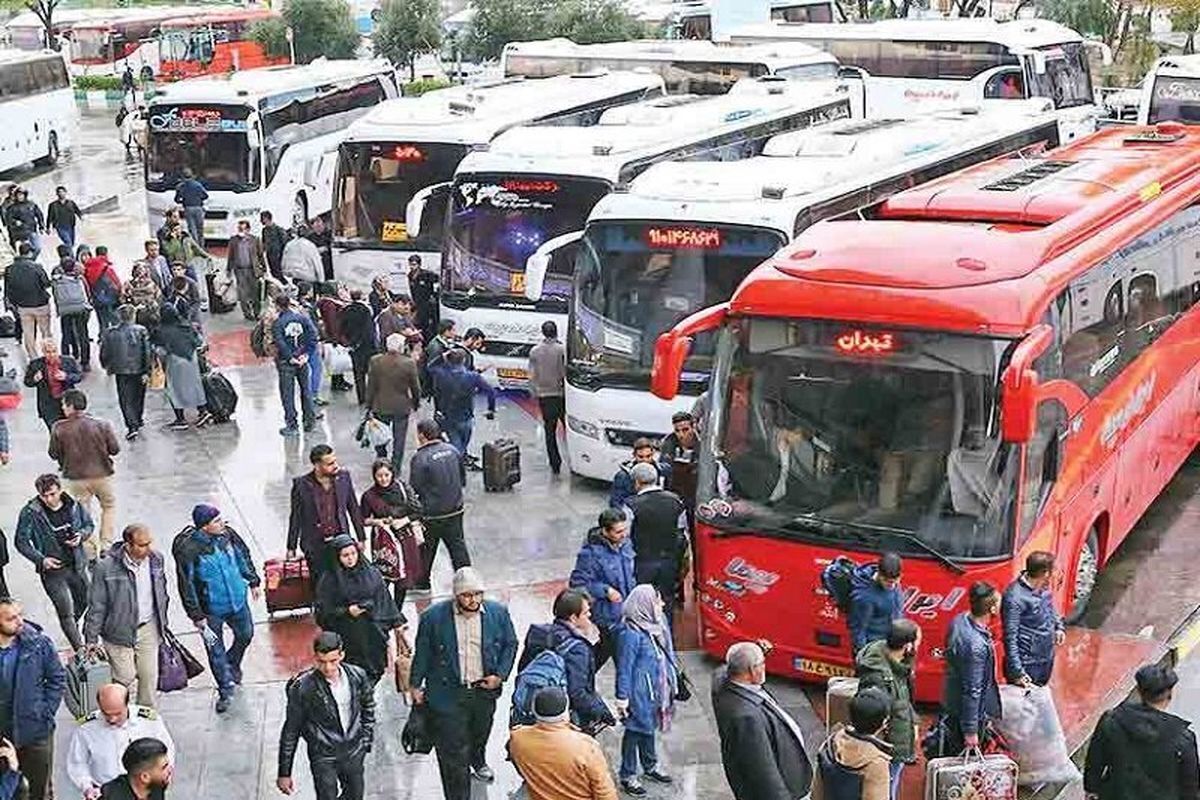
{"x":1019,"y":387}
{"x":672,"y":348}
{"x":538,"y":264}
{"x":253,"y":132}
{"x":415,"y":209}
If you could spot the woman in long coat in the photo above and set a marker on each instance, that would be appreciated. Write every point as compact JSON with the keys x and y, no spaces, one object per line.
{"x":177,"y":343}
{"x":353,"y":600}
{"x":393,"y":511}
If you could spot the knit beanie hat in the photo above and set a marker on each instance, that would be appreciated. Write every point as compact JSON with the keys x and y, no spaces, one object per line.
{"x":203,"y":514}
{"x":467,"y":579}
{"x":550,"y":705}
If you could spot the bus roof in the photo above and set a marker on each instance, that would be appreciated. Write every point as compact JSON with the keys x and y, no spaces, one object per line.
{"x":985,"y":249}
{"x":250,"y":85}
{"x":771,"y":53}
{"x":1021,"y":34}
{"x":199,"y":17}
{"x":1181,"y":66}
{"x":631,"y":132}
{"x":476,"y":114}
{"x":129,"y":15}
{"x":804,"y":168}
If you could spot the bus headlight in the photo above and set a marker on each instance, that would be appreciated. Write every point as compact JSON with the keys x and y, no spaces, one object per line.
{"x":583,"y":427}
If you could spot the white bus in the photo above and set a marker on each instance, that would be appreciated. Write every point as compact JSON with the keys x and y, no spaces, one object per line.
{"x":687,"y":67}
{"x":909,"y":66}
{"x":37,"y":100}
{"x":527,"y":198}
{"x":407,"y":149}
{"x":1171,"y":91}
{"x":259,"y":140}
{"x":685,"y":235}
{"x":693,"y":20}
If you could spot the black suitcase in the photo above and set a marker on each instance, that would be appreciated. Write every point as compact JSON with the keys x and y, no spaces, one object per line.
{"x":8,"y":326}
{"x":220,"y":395}
{"x":501,"y":465}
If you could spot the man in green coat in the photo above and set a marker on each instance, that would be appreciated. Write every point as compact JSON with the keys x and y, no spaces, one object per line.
{"x":887,"y":664}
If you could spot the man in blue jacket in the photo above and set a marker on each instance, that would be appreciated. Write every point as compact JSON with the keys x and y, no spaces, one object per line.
{"x":461,"y":686}
{"x":604,"y":568}
{"x":295,"y":336}
{"x":644,"y":451}
{"x":574,"y":632}
{"x":214,"y":571}
{"x":971,"y":697}
{"x":32,"y":681}
{"x":191,"y":194}
{"x":1032,"y":628}
{"x":875,"y":600}
{"x":454,"y":390}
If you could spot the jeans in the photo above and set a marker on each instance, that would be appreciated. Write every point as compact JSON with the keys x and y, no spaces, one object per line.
{"x":35,"y":326}
{"x":75,"y":341}
{"x":290,"y":374}
{"x":316,"y":371}
{"x":895,"y":770}
{"x":399,"y":423}
{"x":635,"y":746}
{"x":227,"y":663}
{"x":460,"y":738}
{"x":131,"y":397}
{"x":139,"y":662}
{"x":449,"y":530}
{"x":458,"y":432}
{"x":193,"y":217}
{"x":107,"y":316}
{"x":37,"y":765}
{"x":83,"y":491}
{"x":329,"y":774}
{"x":68,"y":591}
{"x":663,"y":574}
{"x":66,"y":235}
{"x":553,"y":411}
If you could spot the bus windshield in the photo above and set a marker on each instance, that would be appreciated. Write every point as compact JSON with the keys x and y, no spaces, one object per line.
{"x":90,"y":45}
{"x":1067,"y":79}
{"x":1174,"y":98}
{"x":377,"y":181}
{"x":496,"y":222}
{"x":186,"y":44}
{"x":209,"y":139}
{"x":633,"y":281}
{"x":836,"y":431}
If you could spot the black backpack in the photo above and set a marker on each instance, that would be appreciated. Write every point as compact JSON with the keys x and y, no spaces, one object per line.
{"x":838,"y":580}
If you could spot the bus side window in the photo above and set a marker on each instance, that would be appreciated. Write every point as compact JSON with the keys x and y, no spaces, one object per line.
{"x":1005,"y":85}
{"x":1043,"y":459}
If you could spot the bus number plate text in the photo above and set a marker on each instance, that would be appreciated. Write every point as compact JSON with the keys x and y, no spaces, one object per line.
{"x":821,"y":669}
{"x":394,"y":232}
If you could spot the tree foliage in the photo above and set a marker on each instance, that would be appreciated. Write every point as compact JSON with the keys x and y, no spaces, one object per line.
{"x":319,"y":28}
{"x":498,"y":22}
{"x":271,"y":36}
{"x":408,"y":28}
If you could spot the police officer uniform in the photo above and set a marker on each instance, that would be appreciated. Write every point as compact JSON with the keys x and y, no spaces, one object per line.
{"x":94,"y":756}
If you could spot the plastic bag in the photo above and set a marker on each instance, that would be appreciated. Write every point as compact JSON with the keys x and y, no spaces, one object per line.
{"x":336,"y":359}
{"x":1031,"y":725}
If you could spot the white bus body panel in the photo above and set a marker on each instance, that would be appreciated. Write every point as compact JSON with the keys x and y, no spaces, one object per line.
{"x":626,"y":413}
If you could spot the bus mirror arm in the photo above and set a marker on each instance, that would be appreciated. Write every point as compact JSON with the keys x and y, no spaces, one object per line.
{"x":1019,"y":387}
{"x":253,"y":134}
{"x":538,"y":264}
{"x":416,"y":209}
{"x":672,"y":348}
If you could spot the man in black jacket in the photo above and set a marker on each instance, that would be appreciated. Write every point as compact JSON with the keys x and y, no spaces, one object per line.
{"x":658,"y":533}
{"x":1141,"y":751}
{"x":435,"y":471}
{"x":274,"y":237}
{"x":27,"y":293}
{"x":332,"y":707}
{"x":147,"y":772}
{"x":762,"y":748}
{"x":125,"y":354}
{"x":324,"y":505}
{"x":358,"y":331}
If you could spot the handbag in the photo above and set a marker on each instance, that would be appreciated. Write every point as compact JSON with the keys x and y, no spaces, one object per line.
{"x":402,"y":667}
{"x":337,"y":359}
{"x":417,"y":736}
{"x":158,"y":376}
{"x":683,"y":684}
{"x":176,"y":666}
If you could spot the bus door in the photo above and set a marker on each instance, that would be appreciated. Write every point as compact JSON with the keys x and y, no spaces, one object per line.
{"x":855,"y":80}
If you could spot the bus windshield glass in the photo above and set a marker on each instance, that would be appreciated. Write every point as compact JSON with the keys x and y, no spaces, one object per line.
{"x":90,"y":45}
{"x":496,"y":222}
{"x":377,"y":182}
{"x":1175,"y":99}
{"x":633,"y":281}
{"x":211,"y":140}
{"x":1067,"y":79}
{"x":832,"y":431}
{"x":186,"y":44}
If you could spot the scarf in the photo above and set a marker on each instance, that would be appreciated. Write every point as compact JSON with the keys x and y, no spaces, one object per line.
{"x":363,"y":585}
{"x":641,"y":611}
{"x":393,"y":495}
{"x":56,"y":386}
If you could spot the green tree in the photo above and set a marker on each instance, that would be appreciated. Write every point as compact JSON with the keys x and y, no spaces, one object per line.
{"x":319,"y":28}
{"x":271,"y":35}
{"x":407,"y":29}
{"x":498,"y":22}
{"x":592,"y":21}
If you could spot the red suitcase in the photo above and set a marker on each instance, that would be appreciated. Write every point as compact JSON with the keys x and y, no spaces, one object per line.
{"x":289,"y":586}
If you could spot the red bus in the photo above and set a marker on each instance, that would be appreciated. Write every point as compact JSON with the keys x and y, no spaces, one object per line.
{"x":104,"y":47}
{"x":213,"y":44}
{"x":1003,"y":360}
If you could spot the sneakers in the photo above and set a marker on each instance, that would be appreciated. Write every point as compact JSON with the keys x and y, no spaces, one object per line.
{"x":310,"y":427}
{"x":178,"y":425}
{"x":483,"y":773}
{"x":222,"y":705}
{"x":289,"y":430}
{"x":204,"y":419}
{"x":237,"y":674}
{"x":633,"y":787}
{"x":657,"y":776}
{"x":321,"y":401}
{"x":132,"y":434}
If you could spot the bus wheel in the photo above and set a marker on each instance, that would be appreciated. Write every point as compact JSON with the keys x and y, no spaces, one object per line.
{"x":52,"y":153}
{"x":299,"y":210}
{"x":1087,"y":567}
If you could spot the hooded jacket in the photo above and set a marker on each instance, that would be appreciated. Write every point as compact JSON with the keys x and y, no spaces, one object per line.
{"x":37,"y":686}
{"x":875,"y":668}
{"x":213,"y":572}
{"x":872,"y":607}
{"x":1138,"y":751}
{"x":600,"y":567}
{"x":853,"y":767}
{"x":35,"y":540}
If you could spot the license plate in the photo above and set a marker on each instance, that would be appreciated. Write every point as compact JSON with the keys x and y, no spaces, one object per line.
{"x":513,"y":374}
{"x":821,"y":668}
{"x":214,"y":229}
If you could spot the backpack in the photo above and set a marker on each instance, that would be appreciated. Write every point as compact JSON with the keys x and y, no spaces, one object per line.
{"x":258,"y":339}
{"x":546,"y":669}
{"x":70,"y":295}
{"x":837,"y":580}
{"x":104,"y":292}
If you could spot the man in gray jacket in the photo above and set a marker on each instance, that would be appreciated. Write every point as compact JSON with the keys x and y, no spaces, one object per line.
{"x":547,"y":377}
{"x":125,"y":354}
{"x":127,"y":610}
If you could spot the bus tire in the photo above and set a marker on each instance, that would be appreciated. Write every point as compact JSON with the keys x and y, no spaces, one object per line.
{"x":52,"y":152}
{"x":1083,"y":581}
{"x":299,"y":210}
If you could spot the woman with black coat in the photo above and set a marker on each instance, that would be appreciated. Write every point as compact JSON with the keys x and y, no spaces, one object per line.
{"x":353,"y":600}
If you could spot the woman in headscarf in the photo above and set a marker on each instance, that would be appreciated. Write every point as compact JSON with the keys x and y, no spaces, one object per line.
{"x":646,"y":685}
{"x":353,"y":600}
{"x":393,"y":511}
{"x":177,"y":342}
{"x":143,"y":293}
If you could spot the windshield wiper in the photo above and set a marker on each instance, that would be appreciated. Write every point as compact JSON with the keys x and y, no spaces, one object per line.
{"x":909,"y":536}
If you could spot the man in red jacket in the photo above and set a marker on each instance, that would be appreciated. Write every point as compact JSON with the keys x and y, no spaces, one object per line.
{"x":104,"y":285}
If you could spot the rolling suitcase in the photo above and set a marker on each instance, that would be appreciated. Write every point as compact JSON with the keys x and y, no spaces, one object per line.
{"x":838,"y":695}
{"x":221,"y":397}
{"x":289,"y":586}
{"x":85,"y":676}
{"x":975,"y":776}
{"x":501,"y":465}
